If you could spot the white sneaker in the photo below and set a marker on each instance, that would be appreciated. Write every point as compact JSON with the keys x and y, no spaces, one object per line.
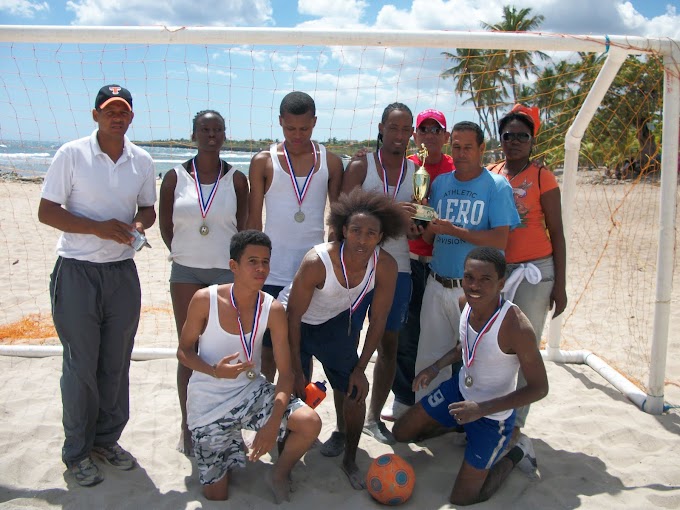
{"x":528,"y":464}
{"x":394,"y":412}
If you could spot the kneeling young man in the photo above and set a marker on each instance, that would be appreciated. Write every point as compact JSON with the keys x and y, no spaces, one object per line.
{"x":496,"y":339}
{"x":227,"y":392}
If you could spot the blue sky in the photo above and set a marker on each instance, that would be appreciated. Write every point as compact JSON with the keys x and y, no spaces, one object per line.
{"x":351,"y":86}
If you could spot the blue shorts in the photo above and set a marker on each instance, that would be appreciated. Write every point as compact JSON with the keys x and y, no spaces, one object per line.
{"x":487,"y":438}
{"x":272,"y":290}
{"x":333,"y":347}
{"x":198,"y":276}
{"x":399,"y":311}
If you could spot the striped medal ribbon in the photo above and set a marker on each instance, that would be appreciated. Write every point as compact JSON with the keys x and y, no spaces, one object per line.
{"x":469,"y":351}
{"x":354,"y":305}
{"x":384,"y":172}
{"x":249,"y":344}
{"x":204,"y":205}
{"x":299,"y":216}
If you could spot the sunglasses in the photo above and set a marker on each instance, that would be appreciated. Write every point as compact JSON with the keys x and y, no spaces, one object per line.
{"x":435,"y":130}
{"x":520,"y":137}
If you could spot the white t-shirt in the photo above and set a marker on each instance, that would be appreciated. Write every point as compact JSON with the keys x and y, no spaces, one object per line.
{"x":89,"y":184}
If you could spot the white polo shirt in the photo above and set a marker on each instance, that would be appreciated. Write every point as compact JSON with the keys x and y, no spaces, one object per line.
{"x":89,"y":184}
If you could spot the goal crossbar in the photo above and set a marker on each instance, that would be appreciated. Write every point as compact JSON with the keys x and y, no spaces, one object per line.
{"x":617,"y":47}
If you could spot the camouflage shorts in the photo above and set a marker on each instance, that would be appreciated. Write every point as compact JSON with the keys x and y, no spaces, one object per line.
{"x":219,"y":446}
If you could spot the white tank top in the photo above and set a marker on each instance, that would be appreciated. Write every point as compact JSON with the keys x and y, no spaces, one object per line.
{"x":334,"y":297}
{"x":189,"y":247}
{"x":494,"y":373}
{"x":292,"y":240}
{"x":398,"y":247}
{"x":208,"y":398}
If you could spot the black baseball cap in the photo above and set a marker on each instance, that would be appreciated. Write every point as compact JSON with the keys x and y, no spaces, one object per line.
{"x":109,"y":93}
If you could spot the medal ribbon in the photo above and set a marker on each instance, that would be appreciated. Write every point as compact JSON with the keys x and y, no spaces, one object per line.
{"x":202,"y":204}
{"x":365,"y":290}
{"x":247,"y":346}
{"x":300,"y":193}
{"x":469,"y":352}
{"x":384,"y":172}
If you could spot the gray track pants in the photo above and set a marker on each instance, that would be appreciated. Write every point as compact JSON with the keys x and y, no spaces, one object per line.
{"x":95,"y":308}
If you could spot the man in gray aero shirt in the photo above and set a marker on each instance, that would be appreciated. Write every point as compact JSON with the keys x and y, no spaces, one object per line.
{"x":97,"y":191}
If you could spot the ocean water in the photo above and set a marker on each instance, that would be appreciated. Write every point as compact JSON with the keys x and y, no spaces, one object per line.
{"x":32,"y":159}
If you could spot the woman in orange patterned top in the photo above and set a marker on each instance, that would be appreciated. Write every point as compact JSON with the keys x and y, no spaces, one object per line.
{"x":536,"y":252}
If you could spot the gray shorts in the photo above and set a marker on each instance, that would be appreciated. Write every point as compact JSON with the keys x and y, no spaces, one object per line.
{"x":186,"y":274}
{"x":219,"y":447}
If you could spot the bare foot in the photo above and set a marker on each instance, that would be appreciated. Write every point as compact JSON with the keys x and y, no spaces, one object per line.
{"x":356,"y":478}
{"x":280,"y":488}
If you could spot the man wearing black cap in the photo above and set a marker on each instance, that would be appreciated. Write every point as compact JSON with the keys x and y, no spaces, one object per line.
{"x":97,"y":191}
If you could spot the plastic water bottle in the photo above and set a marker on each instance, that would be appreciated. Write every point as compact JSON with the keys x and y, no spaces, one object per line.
{"x":315,"y":392}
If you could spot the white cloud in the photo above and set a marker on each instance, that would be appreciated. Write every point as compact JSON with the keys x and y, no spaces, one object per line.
{"x":666,"y":25}
{"x":23,"y":8}
{"x":613,"y":17}
{"x":171,"y":12}
{"x":349,"y":9}
{"x":205,"y":70}
{"x":279,"y":60}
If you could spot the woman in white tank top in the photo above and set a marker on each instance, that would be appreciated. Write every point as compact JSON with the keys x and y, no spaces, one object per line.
{"x":203,"y":203}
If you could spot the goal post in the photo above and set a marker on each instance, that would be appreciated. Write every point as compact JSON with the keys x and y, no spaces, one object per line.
{"x":333,"y":42}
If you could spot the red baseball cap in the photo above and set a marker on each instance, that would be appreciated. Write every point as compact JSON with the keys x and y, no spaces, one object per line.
{"x":431,"y":114}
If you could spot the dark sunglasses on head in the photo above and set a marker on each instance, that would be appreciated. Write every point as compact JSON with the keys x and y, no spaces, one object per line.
{"x":435,"y":130}
{"x":520,"y":137}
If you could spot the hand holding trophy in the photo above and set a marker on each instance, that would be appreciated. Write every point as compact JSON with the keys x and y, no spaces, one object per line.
{"x":421,"y":189}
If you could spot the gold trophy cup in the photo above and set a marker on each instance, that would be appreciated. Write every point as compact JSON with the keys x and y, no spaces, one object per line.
{"x":421,"y":189}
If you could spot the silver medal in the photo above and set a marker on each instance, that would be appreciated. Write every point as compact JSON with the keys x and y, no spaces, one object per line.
{"x":299,"y":216}
{"x":250,"y":374}
{"x":204,"y":230}
{"x":468,"y":381}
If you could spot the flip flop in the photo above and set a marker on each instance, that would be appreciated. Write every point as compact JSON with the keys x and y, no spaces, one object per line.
{"x":334,"y":446}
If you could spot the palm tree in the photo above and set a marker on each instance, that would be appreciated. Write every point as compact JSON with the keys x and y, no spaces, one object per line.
{"x":472,"y":76}
{"x":516,"y":62}
{"x":490,"y":76}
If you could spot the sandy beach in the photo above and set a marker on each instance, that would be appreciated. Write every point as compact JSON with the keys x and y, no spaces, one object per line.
{"x":595,"y":449}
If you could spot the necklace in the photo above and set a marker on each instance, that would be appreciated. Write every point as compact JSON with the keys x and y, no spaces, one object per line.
{"x":522,"y":170}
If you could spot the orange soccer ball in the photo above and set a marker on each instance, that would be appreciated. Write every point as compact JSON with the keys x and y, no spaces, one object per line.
{"x":390,"y":479}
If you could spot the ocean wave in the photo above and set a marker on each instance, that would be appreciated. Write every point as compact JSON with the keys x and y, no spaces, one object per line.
{"x":26,"y":155}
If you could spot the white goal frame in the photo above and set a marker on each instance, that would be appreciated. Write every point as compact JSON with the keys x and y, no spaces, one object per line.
{"x":618,"y":48}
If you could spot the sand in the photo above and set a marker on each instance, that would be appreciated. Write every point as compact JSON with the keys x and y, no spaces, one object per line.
{"x":595,"y":449}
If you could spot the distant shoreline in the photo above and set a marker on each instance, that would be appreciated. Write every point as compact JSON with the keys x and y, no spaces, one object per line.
{"x":189,"y":145}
